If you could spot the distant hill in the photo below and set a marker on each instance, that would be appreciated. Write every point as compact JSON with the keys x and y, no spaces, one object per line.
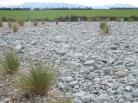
{"x":47,"y":5}
{"x":61,"y":5}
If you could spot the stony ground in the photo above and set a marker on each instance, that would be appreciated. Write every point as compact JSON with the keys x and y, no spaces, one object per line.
{"x":93,"y":67}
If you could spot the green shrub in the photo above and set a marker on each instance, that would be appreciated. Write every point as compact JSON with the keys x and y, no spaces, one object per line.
{"x":35,"y":23}
{"x":15,"y":27}
{"x":103,"y":24}
{"x":10,"y":24}
{"x":11,"y":62}
{"x":20,"y":22}
{"x":1,"y":24}
{"x":37,"y":81}
{"x":104,"y":27}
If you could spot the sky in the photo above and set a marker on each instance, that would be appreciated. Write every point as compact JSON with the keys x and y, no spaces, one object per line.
{"x":82,"y":2}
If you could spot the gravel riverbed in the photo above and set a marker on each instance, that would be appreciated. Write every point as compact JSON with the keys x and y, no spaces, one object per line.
{"x":92,"y":67}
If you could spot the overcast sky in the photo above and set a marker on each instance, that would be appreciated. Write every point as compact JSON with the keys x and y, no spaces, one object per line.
{"x":83,"y":2}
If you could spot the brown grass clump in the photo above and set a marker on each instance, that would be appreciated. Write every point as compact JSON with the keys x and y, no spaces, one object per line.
{"x":37,"y":81}
{"x":15,"y":27}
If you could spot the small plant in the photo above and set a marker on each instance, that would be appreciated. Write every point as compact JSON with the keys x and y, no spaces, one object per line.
{"x":104,"y":27}
{"x":15,"y":27}
{"x":103,"y":24}
{"x":10,"y":24}
{"x":35,"y":23}
{"x":37,"y":81}
{"x":20,"y":22}
{"x":11,"y":62}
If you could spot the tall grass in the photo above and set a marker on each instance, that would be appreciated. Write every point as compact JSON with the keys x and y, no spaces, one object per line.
{"x":37,"y":81}
{"x":11,"y":62}
{"x":15,"y":27}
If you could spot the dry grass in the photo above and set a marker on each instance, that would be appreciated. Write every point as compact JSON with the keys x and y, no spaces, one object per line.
{"x":15,"y":27}
{"x":104,"y":27}
{"x":20,"y":22}
{"x":37,"y":81}
{"x":11,"y":62}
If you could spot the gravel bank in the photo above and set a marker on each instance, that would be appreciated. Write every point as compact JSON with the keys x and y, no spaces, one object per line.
{"x":93,"y":68}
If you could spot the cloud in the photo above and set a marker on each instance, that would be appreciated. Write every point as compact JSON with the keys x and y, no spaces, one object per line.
{"x":84,"y":2}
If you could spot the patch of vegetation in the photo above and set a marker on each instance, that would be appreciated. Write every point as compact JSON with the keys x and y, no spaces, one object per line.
{"x":104,"y":27}
{"x":10,"y":24}
{"x":37,"y":81}
{"x":15,"y":27}
{"x":20,"y":22}
{"x":11,"y":62}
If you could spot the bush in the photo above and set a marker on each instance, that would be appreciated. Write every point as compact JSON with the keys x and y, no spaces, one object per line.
{"x":10,"y":24}
{"x":1,"y":24}
{"x":4,"y":19}
{"x":104,"y":27}
{"x":35,"y":23}
{"x":15,"y":27}
{"x":103,"y":24}
{"x":20,"y":22}
{"x":11,"y":62}
{"x":37,"y":81}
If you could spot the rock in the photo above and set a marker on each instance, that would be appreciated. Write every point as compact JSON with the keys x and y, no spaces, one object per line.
{"x":121,"y":73}
{"x":67,"y":79}
{"x":88,"y":98}
{"x":92,"y":75}
{"x":128,"y":88}
{"x":77,"y":100}
{"x":121,"y":100}
{"x":135,"y":93}
{"x":103,"y":98}
{"x":89,"y":62}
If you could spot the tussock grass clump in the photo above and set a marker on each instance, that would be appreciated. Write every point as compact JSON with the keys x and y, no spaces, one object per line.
{"x":10,"y":24}
{"x":20,"y":22}
{"x":37,"y":81}
{"x":104,"y":27}
{"x":35,"y":23}
{"x":15,"y":27}
{"x":11,"y":62}
{"x":1,"y":24}
{"x":103,"y":24}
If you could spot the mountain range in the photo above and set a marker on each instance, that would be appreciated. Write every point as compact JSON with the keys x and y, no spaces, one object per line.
{"x":61,"y":5}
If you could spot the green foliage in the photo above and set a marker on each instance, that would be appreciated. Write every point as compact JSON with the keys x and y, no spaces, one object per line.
{"x":15,"y":27}
{"x":52,"y":14}
{"x":10,"y":24}
{"x":104,"y":27}
{"x":11,"y":62}
{"x":103,"y":24}
{"x":37,"y":81}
